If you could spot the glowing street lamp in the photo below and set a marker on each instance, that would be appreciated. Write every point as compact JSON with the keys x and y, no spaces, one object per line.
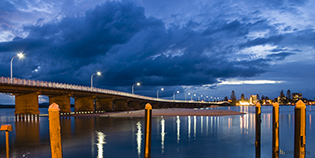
{"x":185,"y":96}
{"x":20,"y":56}
{"x":138,"y":84}
{"x":98,"y":74}
{"x":157,"y":93}
{"x":174,"y":94}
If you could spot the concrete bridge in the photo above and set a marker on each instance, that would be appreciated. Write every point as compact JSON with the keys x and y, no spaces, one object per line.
{"x":87,"y":99}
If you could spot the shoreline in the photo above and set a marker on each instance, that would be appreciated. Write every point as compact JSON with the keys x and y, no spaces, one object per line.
{"x":160,"y":112}
{"x":174,"y":112}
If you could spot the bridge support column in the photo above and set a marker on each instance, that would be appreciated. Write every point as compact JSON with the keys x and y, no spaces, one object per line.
{"x":134,"y":105}
{"x":155,"y":105}
{"x":84,"y":104}
{"x":163,"y":105}
{"x":104,"y":104}
{"x":26,"y":104}
{"x":121,"y":105}
{"x":63,"y":101}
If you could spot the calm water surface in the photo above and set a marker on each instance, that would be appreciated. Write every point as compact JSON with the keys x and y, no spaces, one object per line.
{"x":175,"y":136}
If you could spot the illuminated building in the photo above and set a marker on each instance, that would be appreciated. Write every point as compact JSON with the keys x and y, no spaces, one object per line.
{"x":253,"y":99}
{"x":296,"y":96}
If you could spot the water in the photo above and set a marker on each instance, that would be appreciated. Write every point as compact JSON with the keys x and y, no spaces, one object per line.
{"x":172,"y":136}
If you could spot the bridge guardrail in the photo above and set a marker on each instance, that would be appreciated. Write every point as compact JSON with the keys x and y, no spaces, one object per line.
{"x":17,"y":81}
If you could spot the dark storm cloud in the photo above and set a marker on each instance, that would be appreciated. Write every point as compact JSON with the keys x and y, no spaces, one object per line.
{"x":279,"y":56}
{"x":119,"y":40}
{"x":274,"y":40}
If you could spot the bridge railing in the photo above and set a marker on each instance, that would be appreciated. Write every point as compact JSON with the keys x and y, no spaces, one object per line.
{"x":16,"y":81}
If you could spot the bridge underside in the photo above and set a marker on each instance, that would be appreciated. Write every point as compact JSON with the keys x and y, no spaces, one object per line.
{"x":28,"y":104}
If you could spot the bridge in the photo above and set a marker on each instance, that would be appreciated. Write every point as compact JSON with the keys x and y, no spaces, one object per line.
{"x":87,"y":99}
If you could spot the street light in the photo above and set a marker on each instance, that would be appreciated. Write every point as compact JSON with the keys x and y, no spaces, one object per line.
{"x":174,"y":94}
{"x":199,"y":98}
{"x":138,"y":84}
{"x":98,"y":74}
{"x":157,"y":92}
{"x":190,"y":96}
{"x":20,"y":56}
{"x":194,"y":95}
{"x":185,"y":95}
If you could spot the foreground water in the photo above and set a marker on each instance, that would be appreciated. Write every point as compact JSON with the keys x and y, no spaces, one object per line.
{"x":189,"y":136}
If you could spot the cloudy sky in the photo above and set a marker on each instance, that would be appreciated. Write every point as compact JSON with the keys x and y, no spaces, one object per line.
{"x":207,"y":47}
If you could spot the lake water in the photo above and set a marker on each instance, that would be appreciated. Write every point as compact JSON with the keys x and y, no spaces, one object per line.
{"x":172,"y":136}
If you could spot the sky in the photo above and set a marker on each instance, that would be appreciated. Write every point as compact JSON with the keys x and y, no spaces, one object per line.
{"x":202,"y":47}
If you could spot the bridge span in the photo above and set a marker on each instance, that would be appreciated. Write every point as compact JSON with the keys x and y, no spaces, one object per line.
{"x":87,"y":99}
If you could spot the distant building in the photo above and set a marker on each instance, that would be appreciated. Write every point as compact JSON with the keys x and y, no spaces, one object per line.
{"x":253,"y":99}
{"x":296,"y":96}
{"x":267,"y":101}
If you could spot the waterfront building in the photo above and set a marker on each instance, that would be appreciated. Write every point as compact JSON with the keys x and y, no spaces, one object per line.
{"x":253,"y":99}
{"x":296,"y":96}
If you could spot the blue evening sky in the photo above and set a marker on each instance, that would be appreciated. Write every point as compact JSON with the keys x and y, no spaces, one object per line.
{"x":207,"y":47}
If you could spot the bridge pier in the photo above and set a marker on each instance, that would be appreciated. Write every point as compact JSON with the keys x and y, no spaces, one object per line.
{"x":104,"y":104}
{"x":63,"y":101}
{"x":155,"y":105}
{"x":26,"y":104}
{"x":121,"y":105}
{"x":84,"y":104}
{"x":135,"y":105}
{"x":163,"y":105}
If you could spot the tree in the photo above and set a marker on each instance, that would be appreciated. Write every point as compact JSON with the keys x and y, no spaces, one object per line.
{"x":258,"y":97}
{"x":262,"y":97}
{"x":283,"y":100}
{"x":242,"y":97}
{"x":233,"y":98}
{"x":226,"y":98}
{"x":281,"y":94}
{"x":289,"y":94}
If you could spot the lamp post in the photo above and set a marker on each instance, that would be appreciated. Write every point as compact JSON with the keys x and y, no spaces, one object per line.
{"x":19,"y":55}
{"x":195,"y":95}
{"x":190,"y":96}
{"x":174,"y":94}
{"x":157,"y":92}
{"x":98,"y":74}
{"x":207,"y":97}
{"x":185,"y":95}
{"x":138,"y":84}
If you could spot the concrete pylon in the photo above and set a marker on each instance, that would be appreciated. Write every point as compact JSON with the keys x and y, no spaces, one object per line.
{"x":121,"y":105}
{"x":134,"y":105}
{"x":104,"y":104}
{"x":26,"y":103}
{"x":63,"y":101}
{"x":84,"y":104}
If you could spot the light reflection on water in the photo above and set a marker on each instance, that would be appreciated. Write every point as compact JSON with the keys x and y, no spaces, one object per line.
{"x":189,"y":126}
{"x":139,"y":138}
{"x":101,"y":141}
{"x":195,"y":127}
{"x":178,"y":128}
{"x":224,"y":136}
